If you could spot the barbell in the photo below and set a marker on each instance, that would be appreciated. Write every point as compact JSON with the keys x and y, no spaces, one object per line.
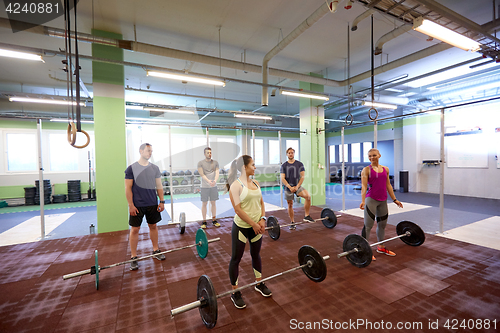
{"x":202,"y":249}
{"x":327,"y":216}
{"x":311,"y":262}
{"x":181,"y":223}
{"x":359,"y":253}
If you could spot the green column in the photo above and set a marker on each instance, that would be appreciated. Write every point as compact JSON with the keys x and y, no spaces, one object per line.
{"x":312,"y":144}
{"x":110,"y":136}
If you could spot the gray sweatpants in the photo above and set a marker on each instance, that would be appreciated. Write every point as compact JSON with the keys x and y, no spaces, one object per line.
{"x":378,"y":209}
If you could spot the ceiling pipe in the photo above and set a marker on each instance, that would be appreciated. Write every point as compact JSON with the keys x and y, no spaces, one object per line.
{"x":360,"y":18}
{"x":306,"y":24}
{"x":390,"y":36}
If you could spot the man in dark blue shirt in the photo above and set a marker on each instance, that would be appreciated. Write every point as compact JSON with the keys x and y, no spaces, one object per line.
{"x":142,"y":188}
{"x":292,"y":176}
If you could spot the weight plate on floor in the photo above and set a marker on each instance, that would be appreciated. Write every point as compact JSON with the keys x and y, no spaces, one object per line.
{"x":331,"y":221}
{"x":182,"y":223}
{"x":317,"y":271}
{"x":201,"y":237}
{"x":417,"y":236}
{"x":96,"y":271}
{"x":275,"y":232}
{"x":363,"y":257}
{"x":208,"y":298}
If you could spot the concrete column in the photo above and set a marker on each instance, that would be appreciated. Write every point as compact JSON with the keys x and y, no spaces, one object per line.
{"x":110,"y":136}
{"x":312,"y":144}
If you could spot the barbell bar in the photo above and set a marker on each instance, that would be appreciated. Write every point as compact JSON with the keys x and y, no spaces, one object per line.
{"x":202,"y":249}
{"x":327,"y":216}
{"x":359,"y":253}
{"x":310,"y":261}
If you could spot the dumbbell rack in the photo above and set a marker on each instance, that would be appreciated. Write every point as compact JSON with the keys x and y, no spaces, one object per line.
{"x":190,"y":187}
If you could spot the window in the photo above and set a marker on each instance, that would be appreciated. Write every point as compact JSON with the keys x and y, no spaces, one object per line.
{"x":295,"y":145}
{"x":199,"y":141}
{"x":274,"y":152}
{"x":21,"y":152}
{"x":366,"y":146}
{"x":259,"y":151}
{"x":225,"y":150}
{"x":346,"y":153}
{"x":62,"y":156}
{"x":355,"y":152}
{"x":332,"y":154}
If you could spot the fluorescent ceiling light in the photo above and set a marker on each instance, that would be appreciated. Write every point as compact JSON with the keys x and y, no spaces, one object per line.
{"x":43,"y":101}
{"x":187,"y":78}
{"x":66,"y":120}
{"x":20,"y":55}
{"x":134,"y":107}
{"x":170,"y":110}
{"x":380,"y":105}
{"x":147,"y":120}
{"x":304,"y":95}
{"x":394,"y":90}
{"x":251,"y":116}
{"x":444,"y":34}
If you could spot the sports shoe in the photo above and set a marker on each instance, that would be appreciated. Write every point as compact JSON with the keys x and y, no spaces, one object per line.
{"x":134,"y":265}
{"x":160,"y":256}
{"x":373,"y":258}
{"x":238,"y":300}
{"x":293,"y":226}
{"x":309,"y":218}
{"x":263,"y":289}
{"x":215,"y":223}
{"x":385,"y":251}
{"x":204,"y":225}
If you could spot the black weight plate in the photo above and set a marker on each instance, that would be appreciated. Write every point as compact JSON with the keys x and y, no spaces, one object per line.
{"x":182,"y":223}
{"x":275,"y":232}
{"x":317,"y":271}
{"x":417,"y":236}
{"x":331,"y":221}
{"x":206,"y":294}
{"x":362,"y":258}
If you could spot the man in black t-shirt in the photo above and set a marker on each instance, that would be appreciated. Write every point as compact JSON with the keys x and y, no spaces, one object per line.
{"x":142,"y":188}
{"x":292,"y":175}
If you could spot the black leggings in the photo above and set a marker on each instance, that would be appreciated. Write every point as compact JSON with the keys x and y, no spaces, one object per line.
{"x":239,"y":238}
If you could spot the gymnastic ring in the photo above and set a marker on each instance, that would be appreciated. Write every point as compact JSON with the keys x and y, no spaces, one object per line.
{"x":86,"y":144}
{"x":370,"y":114}
{"x":349,"y":122}
{"x":72,"y":136}
{"x":71,"y":133}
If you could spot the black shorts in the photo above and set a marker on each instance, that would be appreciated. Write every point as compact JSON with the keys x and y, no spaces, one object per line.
{"x":153,"y":216}
{"x":209,"y":194}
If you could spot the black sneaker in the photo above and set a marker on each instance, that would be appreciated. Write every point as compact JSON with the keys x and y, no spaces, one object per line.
{"x":238,"y":300}
{"x":159,"y":256}
{"x":215,"y":223}
{"x":263,"y":289}
{"x":293,"y":226}
{"x":134,"y":265}
{"x":204,"y":225}
{"x":309,"y":218}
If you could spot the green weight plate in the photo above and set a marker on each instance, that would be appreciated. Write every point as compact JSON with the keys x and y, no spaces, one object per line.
{"x":331,"y":221}
{"x":417,"y":236}
{"x":96,"y":271}
{"x":182,"y":223}
{"x":206,"y":294}
{"x":317,"y":271}
{"x":201,"y":237}
{"x":362,"y":258}
{"x":275,"y":232}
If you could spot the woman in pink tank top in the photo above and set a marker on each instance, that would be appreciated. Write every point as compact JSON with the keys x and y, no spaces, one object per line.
{"x":374,"y":198}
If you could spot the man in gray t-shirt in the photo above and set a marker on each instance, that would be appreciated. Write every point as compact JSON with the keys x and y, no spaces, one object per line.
{"x":209,"y":172}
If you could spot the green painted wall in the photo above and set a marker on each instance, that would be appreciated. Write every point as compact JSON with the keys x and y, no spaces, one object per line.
{"x":110,"y":137}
